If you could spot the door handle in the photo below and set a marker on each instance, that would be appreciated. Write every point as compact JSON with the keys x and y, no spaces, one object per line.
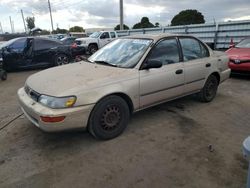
{"x":179,"y":71}
{"x":208,"y":65}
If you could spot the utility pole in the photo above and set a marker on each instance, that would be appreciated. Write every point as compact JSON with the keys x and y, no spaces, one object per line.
{"x":1,"y":27}
{"x":23,"y":21}
{"x":51,"y":20}
{"x":11,"y":26}
{"x":121,"y":15}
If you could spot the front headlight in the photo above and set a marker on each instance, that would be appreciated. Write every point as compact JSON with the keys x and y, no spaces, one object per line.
{"x":57,"y":102}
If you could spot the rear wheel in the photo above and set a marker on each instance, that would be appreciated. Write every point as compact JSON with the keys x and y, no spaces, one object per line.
{"x":61,"y":59}
{"x":209,"y":90}
{"x":92,"y":48}
{"x":109,"y":118}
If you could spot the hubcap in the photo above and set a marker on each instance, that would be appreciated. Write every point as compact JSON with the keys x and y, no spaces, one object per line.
{"x":110,"y":118}
{"x":211,"y":89}
{"x":62,"y":60}
{"x":93,"y":50}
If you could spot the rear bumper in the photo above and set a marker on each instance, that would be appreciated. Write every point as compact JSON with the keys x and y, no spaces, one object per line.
{"x":75,"y":118}
{"x":239,"y":67}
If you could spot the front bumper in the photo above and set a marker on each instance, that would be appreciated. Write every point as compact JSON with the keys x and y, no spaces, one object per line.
{"x":75,"y":118}
{"x":239,"y":67}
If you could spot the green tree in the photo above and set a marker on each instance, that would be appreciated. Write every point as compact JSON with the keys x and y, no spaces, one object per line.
{"x":187,"y":17}
{"x":44,"y":32}
{"x":145,"y":23}
{"x":157,"y":24}
{"x":76,"y":29}
{"x":61,"y":31}
{"x":125,"y":27}
{"x":30,"y":22}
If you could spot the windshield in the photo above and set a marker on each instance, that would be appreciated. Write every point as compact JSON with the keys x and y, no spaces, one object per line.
{"x":95,"y":35}
{"x":244,"y":44}
{"x":5,"y":44}
{"x":124,"y":53}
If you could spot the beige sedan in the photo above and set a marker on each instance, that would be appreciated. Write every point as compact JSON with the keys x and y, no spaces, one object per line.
{"x":127,"y":75}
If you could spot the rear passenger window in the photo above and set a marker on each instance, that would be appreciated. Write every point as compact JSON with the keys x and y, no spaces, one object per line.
{"x":112,"y":34}
{"x":42,"y":44}
{"x":193,"y":49}
{"x":166,"y":51}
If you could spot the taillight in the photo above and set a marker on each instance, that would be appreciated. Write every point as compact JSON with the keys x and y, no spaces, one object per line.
{"x":74,"y":45}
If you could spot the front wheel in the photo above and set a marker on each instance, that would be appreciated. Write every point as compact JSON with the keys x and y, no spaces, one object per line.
{"x":209,"y":90}
{"x":61,"y":59}
{"x":109,"y":118}
{"x":92,"y":48}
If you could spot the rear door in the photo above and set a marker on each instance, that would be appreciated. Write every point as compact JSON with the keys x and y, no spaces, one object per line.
{"x":196,"y":63}
{"x":167,"y":82}
{"x":44,"y":51}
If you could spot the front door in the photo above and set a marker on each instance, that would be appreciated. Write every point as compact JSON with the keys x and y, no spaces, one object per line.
{"x":167,"y":82}
{"x":104,"y":39}
{"x":13,"y":54}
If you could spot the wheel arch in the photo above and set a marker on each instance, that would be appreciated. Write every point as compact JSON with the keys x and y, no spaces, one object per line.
{"x":93,"y":43}
{"x":124,"y":96}
{"x":217,"y":75}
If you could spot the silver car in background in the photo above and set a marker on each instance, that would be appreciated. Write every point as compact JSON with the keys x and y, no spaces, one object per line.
{"x":127,"y":75}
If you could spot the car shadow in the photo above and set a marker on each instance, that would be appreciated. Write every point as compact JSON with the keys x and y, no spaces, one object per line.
{"x":240,"y":76}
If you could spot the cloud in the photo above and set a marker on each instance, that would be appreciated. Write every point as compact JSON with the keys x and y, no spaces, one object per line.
{"x":105,"y":13}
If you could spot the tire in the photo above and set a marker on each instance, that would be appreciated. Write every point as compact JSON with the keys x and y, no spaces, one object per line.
{"x":61,"y":59}
{"x":209,"y":90}
{"x":92,"y":48}
{"x":4,"y":75}
{"x":109,"y":118}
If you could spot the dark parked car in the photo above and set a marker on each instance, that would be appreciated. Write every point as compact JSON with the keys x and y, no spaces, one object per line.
{"x":75,"y":49}
{"x":34,"y":52}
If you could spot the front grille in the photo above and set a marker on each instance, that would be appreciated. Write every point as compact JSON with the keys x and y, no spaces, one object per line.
{"x":239,"y":61}
{"x":33,"y":94}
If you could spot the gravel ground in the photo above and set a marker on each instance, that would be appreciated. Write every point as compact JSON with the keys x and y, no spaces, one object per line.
{"x":183,"y":143}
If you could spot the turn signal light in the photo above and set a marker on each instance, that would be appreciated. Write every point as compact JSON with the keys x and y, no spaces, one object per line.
{"x":52,"y":119}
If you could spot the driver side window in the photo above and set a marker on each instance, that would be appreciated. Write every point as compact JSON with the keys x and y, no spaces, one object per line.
{"x":105,"y":35}
{"x":166,"y":52}
{"x":18,"y":45}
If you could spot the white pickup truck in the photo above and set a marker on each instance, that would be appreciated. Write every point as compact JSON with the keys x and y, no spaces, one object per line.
{"x":96,"y":40}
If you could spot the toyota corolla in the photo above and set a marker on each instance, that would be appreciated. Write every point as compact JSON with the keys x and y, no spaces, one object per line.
{"x":127,"y":75}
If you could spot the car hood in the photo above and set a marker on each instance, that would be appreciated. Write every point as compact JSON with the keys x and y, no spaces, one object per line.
{"x":239,"y":53}
{"x":70,"y":79}
{"x":87,"y":39}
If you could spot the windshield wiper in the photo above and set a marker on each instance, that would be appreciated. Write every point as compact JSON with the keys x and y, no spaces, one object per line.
{"x":105,"y":63}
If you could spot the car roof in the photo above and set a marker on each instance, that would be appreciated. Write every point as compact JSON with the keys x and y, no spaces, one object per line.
{"x":156,"y":37}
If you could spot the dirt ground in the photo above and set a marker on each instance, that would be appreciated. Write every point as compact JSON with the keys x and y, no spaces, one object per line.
{"x":164,"y":146}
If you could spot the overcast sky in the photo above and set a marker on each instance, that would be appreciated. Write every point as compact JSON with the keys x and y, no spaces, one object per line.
{"x":105,"y":13}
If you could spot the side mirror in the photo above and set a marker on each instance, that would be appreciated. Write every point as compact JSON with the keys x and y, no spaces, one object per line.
{"x":102,"y":36}
{"x":8,"y":49}
{"x":151,"y":64}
